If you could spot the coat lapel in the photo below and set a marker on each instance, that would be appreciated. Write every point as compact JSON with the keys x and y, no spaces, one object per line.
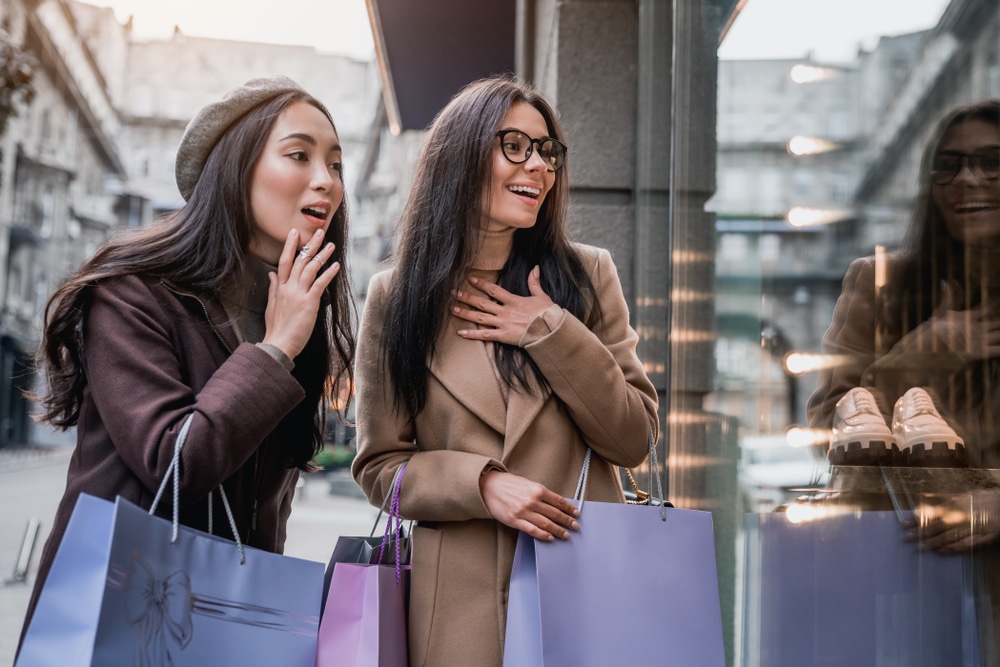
{"x":522,"y":410}
{"x":465,"y":369}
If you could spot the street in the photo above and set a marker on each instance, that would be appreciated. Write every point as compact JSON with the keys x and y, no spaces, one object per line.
{"x":30,"y":486}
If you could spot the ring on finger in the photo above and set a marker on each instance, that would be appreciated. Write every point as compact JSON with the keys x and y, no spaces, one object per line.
{"x":304,"y":253}
{"x":316,"y":258}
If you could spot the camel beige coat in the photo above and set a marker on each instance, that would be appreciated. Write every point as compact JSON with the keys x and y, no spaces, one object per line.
{"x":462,"y":558}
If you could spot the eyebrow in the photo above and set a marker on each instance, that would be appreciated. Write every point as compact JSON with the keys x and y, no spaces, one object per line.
{"x":309,"y":139}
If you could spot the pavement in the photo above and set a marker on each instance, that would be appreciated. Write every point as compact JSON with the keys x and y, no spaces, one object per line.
{"x":31,"y":484}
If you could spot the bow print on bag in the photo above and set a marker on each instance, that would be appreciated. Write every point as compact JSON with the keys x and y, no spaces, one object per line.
{"x":159,"y":609}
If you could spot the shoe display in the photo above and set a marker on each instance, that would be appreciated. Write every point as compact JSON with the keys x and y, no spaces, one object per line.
{"x":925,"y":438}
{"x":860,"y":434}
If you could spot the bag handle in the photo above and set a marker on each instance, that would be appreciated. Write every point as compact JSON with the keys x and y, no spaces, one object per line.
{"x":392,"y":496}
{"x":173,"y":472}
{"x":581,"y":484}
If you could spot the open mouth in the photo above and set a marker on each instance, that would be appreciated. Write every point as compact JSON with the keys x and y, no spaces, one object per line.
{"x":526,"y":191}
{"x":975,"y":207}
{"x":317,"y":213}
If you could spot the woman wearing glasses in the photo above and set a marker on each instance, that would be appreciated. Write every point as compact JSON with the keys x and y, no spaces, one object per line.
{"x":929,"y":316}
{"x":491,"y":354}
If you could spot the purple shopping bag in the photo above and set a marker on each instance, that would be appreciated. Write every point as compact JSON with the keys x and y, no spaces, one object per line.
{"x":629,"y":587}
{"x":364,"y":622}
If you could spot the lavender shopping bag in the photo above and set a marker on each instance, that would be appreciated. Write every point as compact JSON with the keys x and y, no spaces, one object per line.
{"x":129,"y":589}
{"x":635,"y":585}
{"x":364,"y":622}
{"x":364,"y":612}
{"x":846,"y":588}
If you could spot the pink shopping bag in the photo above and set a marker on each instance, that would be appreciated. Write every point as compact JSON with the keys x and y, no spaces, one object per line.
{"x":364,"y":622}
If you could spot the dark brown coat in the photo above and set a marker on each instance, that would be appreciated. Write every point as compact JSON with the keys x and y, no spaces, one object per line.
{"x":152,"y":355}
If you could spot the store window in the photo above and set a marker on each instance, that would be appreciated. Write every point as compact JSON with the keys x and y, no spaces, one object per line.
{"x":855,"y":396}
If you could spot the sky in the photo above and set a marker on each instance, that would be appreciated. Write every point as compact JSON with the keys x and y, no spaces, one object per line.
{"x":833,"y":30}
{"x":331,"y":26}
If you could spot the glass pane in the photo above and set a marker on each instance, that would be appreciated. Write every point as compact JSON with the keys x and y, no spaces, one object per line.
{"x":856,"y":327}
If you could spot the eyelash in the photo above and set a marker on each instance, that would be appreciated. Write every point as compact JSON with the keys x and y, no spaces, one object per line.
{"x":302,"y":156}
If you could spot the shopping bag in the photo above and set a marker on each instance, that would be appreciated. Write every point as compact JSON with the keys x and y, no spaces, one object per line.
{"x":364,"y":623}
{"x":390,"y":547}
{"x":845,"y":588}
{"x":364,"y":612}
{"x":635,"y":585}
{"x":130,"y":589}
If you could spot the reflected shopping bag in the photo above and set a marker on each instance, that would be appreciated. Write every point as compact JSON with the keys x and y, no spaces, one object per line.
{"x":364,"y":613}
{"x":847,"y":589}
{"x":635,"y":585}
{"x":131,"y":589}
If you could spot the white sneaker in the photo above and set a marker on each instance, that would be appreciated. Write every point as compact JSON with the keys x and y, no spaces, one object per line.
{"x":924,"y":437}
{"x":860,"y":434}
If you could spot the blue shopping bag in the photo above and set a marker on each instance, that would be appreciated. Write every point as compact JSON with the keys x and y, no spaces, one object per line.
{"x":129,"y":589}
{"x":635,"y":585}
{"x":846,"y":588}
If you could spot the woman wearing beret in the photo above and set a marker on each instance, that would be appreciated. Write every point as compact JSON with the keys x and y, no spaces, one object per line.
{"x":227,"y":310}
{"x":490,"y":356}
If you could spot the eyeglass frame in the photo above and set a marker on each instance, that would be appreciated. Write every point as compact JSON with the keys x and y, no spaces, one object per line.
{"x":531,"y":148}
{"x":974,"y":160}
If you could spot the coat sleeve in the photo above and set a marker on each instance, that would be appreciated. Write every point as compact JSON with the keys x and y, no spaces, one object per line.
{"x":386,"y":438}
{"x":140,"y":387}
{"x":596,"y":372}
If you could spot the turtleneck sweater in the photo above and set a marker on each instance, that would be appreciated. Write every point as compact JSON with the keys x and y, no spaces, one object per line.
{"x":494,"y":249}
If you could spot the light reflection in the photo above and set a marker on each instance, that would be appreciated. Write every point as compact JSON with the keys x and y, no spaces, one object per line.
{"x":812,"y":73}
{"x":800,"y":436}
{"x":800,"y":363}
{"x":804,"y":216}
{"x":800,"y":145}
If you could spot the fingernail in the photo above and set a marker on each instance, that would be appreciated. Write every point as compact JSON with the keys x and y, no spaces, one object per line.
{"x":473,"y":280}
{"x":574,"y":526}
{"x":576,"y":512}
{"x":565,"y":535}
{"x":454,"y":309}
{"x":462,"y":332}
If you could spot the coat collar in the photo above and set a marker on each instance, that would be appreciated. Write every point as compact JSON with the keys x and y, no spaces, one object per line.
{"x":465,"y":368}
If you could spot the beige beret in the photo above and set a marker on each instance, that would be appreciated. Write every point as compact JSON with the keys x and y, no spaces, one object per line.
{"x":208,"y":126}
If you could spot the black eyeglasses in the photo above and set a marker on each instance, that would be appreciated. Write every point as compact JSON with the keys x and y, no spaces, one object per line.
{"x":984,"y":164}
{"x":517,"y":147}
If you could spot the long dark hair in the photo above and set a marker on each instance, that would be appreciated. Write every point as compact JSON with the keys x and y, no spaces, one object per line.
{"x":204,"y":247}
{"x":930,"y":253}
{"x":441,"y":228}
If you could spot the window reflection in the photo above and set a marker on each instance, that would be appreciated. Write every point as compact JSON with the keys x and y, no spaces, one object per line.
{"x":827,"y":133}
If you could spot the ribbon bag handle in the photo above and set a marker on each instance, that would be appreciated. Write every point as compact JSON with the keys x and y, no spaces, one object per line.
{"x":392,"y":498}
{"x":173,"y":472}
{"x":581,"y":484}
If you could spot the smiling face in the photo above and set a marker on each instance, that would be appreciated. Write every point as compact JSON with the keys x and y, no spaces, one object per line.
{"x":297,"y":182}
{"x":970,"y":204}
{"x":517,"y":191}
